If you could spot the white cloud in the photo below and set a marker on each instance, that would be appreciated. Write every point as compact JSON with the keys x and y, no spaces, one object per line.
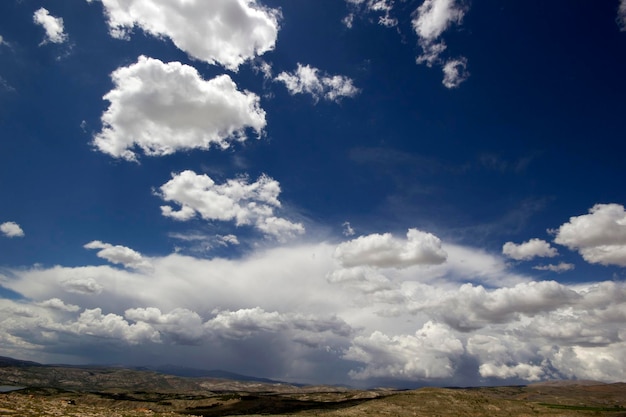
{"x":236,"y":200}
{"x":307,"y":79}
{"x":52,"y":25}
{"x":430,"y":21}
{"x":58,"y":304}
{"x":529,"y":250}
{"x":82,"y":285}
{"x":471,"y":307}
{"x":386,"y":251}
{"x":455,"y":72}
{"x":560,"y":267}
{"x":226,"y":32}
{"x":348,"y":230}
{"x":621,"y":15}
{"x":11,"y":229}
{"x":162,"y":108}
{"x":295,"y":301}
{"x":228,"y":240}
{"x":431,"y":353}
{"x":181,"y":325}
{"x":372,"y":6}
{"x":118,"y":254}
{"x":434,"y":17}
{"x":600,"y":236}
{"x":244,"y":323}
{"x":93,"y":323}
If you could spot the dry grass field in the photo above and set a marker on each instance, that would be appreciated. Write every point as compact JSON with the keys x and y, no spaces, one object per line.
{"x":568,"y":400}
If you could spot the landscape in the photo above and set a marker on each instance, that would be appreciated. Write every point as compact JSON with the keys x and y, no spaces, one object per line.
{"x":49,"y":390}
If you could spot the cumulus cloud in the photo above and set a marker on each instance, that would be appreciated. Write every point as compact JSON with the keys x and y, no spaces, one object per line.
{"x":181,"y":325}
{"x":560,"y":267}
{"x":93,"y":323}
{"x":11,"y":229}
{"x":621,"y":15}
{"x":118,"y":254}
{"x":430,"y":21}
{"x":52,"y":25}
{"x":529,"y":250}
{"x":236,"y":200}
{"x":58,"y":304}
{"x":455,"y":72}
{"x":310,"y":80}
{"x":431,"y":352}
{"x":162,"y":108}
{"x":244,"y":323}
{"x":82,"y":285}
{"x":294,"y":301}
{"x":472,"y":307}
{"x":385,"y":251}
{"x":348,"y":230}
{"x":599,"y":237}
{"x":383,"y":7}
{"x":226,"y":32}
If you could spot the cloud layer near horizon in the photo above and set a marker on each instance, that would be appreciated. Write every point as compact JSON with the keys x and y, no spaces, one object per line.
{"x":443,"y":319}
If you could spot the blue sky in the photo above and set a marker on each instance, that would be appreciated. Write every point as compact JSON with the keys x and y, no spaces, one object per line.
{"x":355,"y":191}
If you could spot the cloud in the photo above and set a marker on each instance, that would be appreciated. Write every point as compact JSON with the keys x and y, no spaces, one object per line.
{"x":386,"y":251}
{"x":307,"y":79}
{"x":357,"y":323}
{"x":180,"y":325}
{"x":347,"y":229}
{"x":236,"y":200}
{"x":118,"y":254}
{"x":599,"y":237}
{"x":58,"y":304}
{"x":372,"y":6}
{"x":430,"y":21}
{"x":455,"y":72}
{"x":529,"y":250}
{"x":52,"y":25}
{"x":560,"y":267}
{"x":93,"y":323}
{"x":82,"y":285}
{"x":430,"y":353}
{"x":162,"y":108}
{"x":433,"y":17}
{"x":11,"y":229}
{"x":225,"y":32}
{"x":621,"y":15}
{"x":243,"y":323}
{"x":472,"y":307}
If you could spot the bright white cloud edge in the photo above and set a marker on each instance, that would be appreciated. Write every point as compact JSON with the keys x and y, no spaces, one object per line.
{"x":226,"y":32}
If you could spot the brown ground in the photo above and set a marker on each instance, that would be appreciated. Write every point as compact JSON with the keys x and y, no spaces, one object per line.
{"x":534,"y":400}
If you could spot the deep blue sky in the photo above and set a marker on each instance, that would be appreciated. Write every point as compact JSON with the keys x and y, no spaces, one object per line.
{"x":525,"y":147}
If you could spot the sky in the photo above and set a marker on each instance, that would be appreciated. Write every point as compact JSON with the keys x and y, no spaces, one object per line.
{"x":361,"y":192}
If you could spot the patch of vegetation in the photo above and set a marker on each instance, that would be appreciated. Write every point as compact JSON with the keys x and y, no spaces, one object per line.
{"x":614,"y":408}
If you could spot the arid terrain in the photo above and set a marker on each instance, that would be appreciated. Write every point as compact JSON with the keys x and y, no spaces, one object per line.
{"x":119,"y":392}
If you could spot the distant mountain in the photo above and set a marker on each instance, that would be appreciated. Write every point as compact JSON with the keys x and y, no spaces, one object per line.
{"x":6,"y":361}
{"x":204,"y":373}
